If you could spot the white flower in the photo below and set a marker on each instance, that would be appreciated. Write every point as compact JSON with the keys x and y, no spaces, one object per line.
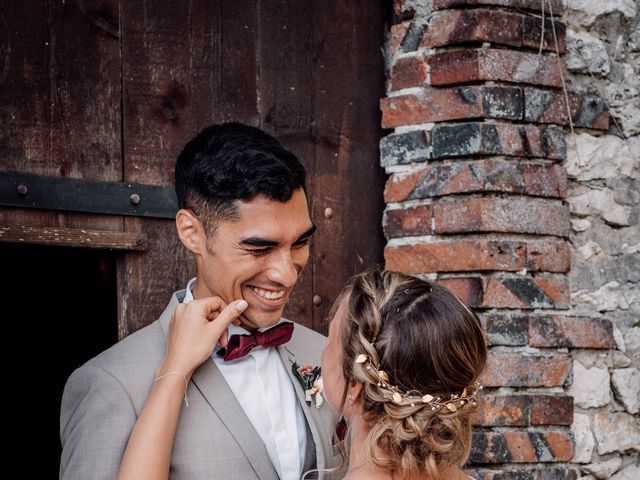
{"x":315,"y":390}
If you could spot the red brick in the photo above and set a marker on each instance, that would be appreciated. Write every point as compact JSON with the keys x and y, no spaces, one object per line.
{"x":408,"y":72}
{"x":468,"y":289}
{"x":403,"y":10}
{"x":550,"y":106}
{"x":443,"y":104}
{"x":407,"y":221}
{"x":509,"y":215}
{"x":400,"y":186}
{"x":532,"y":30}
{"x":506,"y":328}
{"x":519,"y":370}
{"x":548,"y":255}
{"x":502,"y":411}
{"x":551,"y":410}
{"x":547,"y":180}
{"x":459,"y":256}
{"x":459,"y":26}
{"x":526,"y":472}
{"x":523,"y":410}
{"x":461,"y":66}
{"x":521,"y":447}
{"x":541,"y":291}
{"x":431,"y":105}
{"x":573,"y":332}
{"x":398,"y":31}
{"x":557,"y":6}
{"x":473,"y":139}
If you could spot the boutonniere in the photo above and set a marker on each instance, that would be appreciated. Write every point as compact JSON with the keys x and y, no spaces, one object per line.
{"x":311,"y":381}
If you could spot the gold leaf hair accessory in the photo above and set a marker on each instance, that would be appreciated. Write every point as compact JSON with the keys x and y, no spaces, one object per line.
{"x":413,"y":397}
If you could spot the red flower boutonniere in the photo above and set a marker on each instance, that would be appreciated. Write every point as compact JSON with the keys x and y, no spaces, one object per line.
{"x":311,"y":381}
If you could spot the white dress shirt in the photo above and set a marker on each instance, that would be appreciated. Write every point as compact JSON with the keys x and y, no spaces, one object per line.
{"x":263,"y":388}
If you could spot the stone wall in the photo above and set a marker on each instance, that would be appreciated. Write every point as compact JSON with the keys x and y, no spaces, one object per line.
{"x":603,"y":58}
{"x":487,"y":196}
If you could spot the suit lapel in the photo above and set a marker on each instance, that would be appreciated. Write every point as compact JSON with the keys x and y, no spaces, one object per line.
{"x":215,"y":389}
{"x":318,"y":419}
{"x":210,"y":382}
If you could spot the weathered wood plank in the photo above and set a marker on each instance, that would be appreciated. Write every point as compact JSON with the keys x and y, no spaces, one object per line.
{"x":60,"y":89}
{"x":70,"y":237}
{"x":185,"y":66}
{"x":348,"y":74}
{"x":60,"y":95}
{"x":286,"y":107}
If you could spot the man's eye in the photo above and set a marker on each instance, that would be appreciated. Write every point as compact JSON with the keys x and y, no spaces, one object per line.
{"x":259,"y":251}
{"x":302,"y":243}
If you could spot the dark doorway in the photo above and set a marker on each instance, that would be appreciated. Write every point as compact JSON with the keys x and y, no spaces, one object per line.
{"x":63,"y":311}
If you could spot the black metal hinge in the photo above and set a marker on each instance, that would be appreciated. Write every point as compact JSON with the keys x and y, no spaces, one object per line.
{"x":77,"y":195}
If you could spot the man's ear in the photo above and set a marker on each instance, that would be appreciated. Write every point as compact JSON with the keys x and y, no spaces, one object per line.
{"x":190,"y":230}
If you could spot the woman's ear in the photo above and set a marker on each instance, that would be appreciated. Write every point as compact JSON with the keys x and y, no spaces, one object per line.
{"x":355,"y":391}
{"x":190,"y":230}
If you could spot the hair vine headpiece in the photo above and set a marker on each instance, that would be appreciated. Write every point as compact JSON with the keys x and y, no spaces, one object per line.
{"x":413,"y":397}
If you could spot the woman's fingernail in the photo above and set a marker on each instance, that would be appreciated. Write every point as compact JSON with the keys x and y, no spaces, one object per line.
{"x":241,"y":304}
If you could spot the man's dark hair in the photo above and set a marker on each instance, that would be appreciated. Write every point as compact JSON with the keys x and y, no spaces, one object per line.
{"x":229,"y":162}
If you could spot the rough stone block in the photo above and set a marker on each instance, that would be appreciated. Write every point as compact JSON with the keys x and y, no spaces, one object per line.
{"x":587,"y":386}
{"x":616,"y":432}
{"x":626,"y":387}
{"x":573,"y":332}
{"x":518,"y":370}
{"x":583,"y":438}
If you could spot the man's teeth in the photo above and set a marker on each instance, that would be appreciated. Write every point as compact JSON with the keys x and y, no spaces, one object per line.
{"x":268,"y":294}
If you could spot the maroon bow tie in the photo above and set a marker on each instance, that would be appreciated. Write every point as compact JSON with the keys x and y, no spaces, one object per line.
{"x":239,"y":345}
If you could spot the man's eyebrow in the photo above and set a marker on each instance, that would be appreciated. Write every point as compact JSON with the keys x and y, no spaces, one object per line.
{"x":263,"y":242}
{"x":306,"y":235}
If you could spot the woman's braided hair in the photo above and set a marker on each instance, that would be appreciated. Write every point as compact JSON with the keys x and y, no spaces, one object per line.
{"x":418,"y":351}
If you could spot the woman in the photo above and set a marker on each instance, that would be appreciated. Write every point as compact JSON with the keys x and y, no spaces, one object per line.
{"x":401,"y":364}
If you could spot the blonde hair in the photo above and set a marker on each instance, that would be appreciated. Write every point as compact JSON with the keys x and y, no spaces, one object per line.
{"x":428,"y":343}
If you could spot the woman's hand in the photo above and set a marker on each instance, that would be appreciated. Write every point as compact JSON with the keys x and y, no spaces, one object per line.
{"x":196,"y":328}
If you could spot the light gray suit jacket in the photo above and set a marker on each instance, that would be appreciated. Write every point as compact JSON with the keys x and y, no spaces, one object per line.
{"x":215,"y":439}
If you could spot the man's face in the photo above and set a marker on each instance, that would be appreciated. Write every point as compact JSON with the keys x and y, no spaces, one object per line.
{"x":258,"y":256}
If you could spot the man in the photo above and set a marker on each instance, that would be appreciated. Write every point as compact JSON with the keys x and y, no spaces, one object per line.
{"x":244,"y":216}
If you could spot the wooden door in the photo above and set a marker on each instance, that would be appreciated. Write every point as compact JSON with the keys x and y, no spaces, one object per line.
{"x":110,"y":91}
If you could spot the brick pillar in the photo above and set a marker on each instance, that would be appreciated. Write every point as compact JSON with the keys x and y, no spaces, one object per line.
{"x":475,"y":200}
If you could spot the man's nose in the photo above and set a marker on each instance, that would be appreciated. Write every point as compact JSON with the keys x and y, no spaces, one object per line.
{"x":283,"y":269}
